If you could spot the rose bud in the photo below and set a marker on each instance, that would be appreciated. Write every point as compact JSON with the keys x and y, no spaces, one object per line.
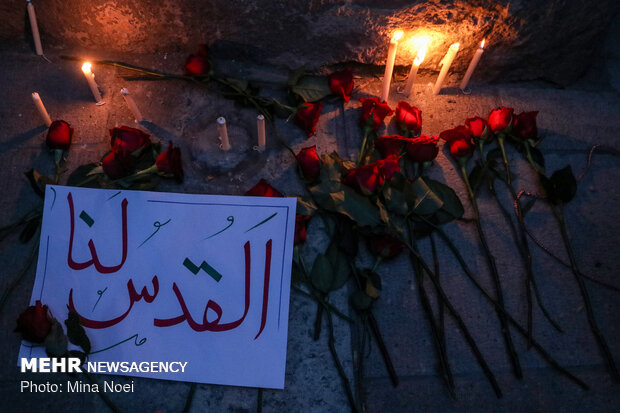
{"x":262,"y":188}
{"x":390,"y":144}
{"x":309,"y":163}
{"x":59,"y":135}
{"x":365,"y":179}
{"x":408,"y":118}
{"x":385,"y":246}
{"x":117,"y":164}
{"x":198,"y":63}
{"x":301,"y":222}
{"x":478,"y":126}
{"x":525,"y":125}
{"x":341,"y":83}
{"x":458,"y":133}
{"x":374,"y":112}
{"x":423,"y":148}
{"x":169,"y":162}
{"x":34,"y":323}
{"x":307,"y":117}
{"x":500,"y":119}
{"x":129,"y":140}
{"x":461,"y":148}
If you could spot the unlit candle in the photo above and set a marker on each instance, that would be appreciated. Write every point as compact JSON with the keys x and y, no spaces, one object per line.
{"x":132,"y":105}
{"x":260,"y":124}
{"x":445,"y":67}
{"x":223,"y":131}
{"x":32,"y":16}
{"x":472,"y":66}
{"x":90,"y":78}
{"x":42,"y":111}
{"x":389,"y":64}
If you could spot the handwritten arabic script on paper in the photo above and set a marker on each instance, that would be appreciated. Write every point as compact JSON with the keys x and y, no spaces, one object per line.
{"x":197,"y":278}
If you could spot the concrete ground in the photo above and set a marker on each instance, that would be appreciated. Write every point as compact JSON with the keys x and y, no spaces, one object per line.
{"x":571,"y":120}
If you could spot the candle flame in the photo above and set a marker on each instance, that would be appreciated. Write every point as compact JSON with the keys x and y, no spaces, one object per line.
{"x":86,"y":67}
{"x":455,"y":46}
{"x":397,"y":35}
{"x":421,"y":52}
{"x":482,"y":43}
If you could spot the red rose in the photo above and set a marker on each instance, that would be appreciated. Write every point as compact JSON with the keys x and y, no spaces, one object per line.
{"x":301,"y":222}
{"x":390,"y":144}
{"x":408,"y":117}
{"x":500,"y":119}
{"x":458,"y":133}
{"x":35,"y":323}
{"x":59,"y":135}
{"x":169,"y":162}
{"x":423,"y":148}
{"x":368,"y":178}
{"x":309,"y":162}
{"x":129,"y":140}
{"x":461,"y":148}
{"x":117,"y":164}
{"x":478,"y":126}
{"x":374,"y":112}
{"x":262,"y":188}
{"x":307,"y":117}
{"x":341,"y":83}
{"x":198,"y":63}
{"x":385,"y":246}
{"x":525,"y":125}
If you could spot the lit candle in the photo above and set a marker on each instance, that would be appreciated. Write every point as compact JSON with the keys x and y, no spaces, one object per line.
{"x":415,"y":66}
{"x":445,"y":66}
{"x":35,"y":28}
{"x":221,"y":128}
{"x":260,"y":124}
{"x":90,"y":78}
{"x":42,"y":111}
{"x":132,"y":105}
{"x":472,"y":66}
{"x":389,"y":64}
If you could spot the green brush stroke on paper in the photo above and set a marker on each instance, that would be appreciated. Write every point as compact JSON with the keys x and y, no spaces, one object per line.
{"x":86,"y":218}
{"x":230,"y":219}
{"x":157,"y":225}
{"x":136,"y":342}
{"x":262,"y":222}
{"x":100,"y":293}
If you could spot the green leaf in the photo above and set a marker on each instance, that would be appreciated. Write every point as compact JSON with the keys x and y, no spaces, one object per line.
{"x":80,"y":174}
{"x":355,"y":206}
{"x":451,"y":208}
{"x":360,"y":300}
{"x":477,"y":175}
{"x":561,"y":187}
{"x":38,"y":181}
{"x":395,"y":200}
{"x":322,"y":274}
{"x":312,"y":88}
{"x":305,"y":207}
{"x":96,"y":170}
{"x":426,"y":202}
{"x":76,"y":333}
{"x":295,"y":75}
{"x":78,"y":354}
{"x":340,"y":266}
{"x":56,"y":341}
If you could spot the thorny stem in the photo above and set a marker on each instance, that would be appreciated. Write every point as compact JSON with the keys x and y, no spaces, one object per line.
{"x":500,"y":140}
{"x":362,"y":155}
{"x":436,"y":332}
{"x":341,"y":372}
{"x":328,"y":306}
{"x":543,"y":353}
{"x":512,"y":354}
{"x":557,"y":212}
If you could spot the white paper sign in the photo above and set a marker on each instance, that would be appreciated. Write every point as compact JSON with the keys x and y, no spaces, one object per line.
{"x":202,"y":279}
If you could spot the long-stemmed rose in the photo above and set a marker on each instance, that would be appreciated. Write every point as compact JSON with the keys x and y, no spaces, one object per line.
{"x":58,"y":139}
{"x":367,"y":179}
{"x":374,"y":112}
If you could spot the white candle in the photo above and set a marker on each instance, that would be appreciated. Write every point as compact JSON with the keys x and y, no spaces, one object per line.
{"x":389,"y":64}
{"x":260,"y":124}
{"x":472,"y":66}
{"x":132,"y":105}
{"x":90,"y":78}
{"x":35,"y":28}
{"x":445,"y":67}
{"x":414,"y":67}
{"x":223,"y":131}
{"x":42,"y":111}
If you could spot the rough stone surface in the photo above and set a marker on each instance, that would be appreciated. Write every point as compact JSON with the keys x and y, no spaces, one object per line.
{"x":522,"y":35}
{"x":571,"y":119}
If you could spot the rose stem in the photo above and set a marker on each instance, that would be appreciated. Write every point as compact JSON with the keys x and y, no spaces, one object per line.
{"x":362,"y":154}
{"x":546,"y":356}
{"x":190,"y":398}
{"x":514,"y":358}
{"x":438,"y":337}
{"x":259,"y":401}
{"x":442,"y":327}
{"x":461,"y":324}
{"x":557,"y":212}
{"x":318,"y":321}
{"x":500,"y":140}
{"x":374,"y":327}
